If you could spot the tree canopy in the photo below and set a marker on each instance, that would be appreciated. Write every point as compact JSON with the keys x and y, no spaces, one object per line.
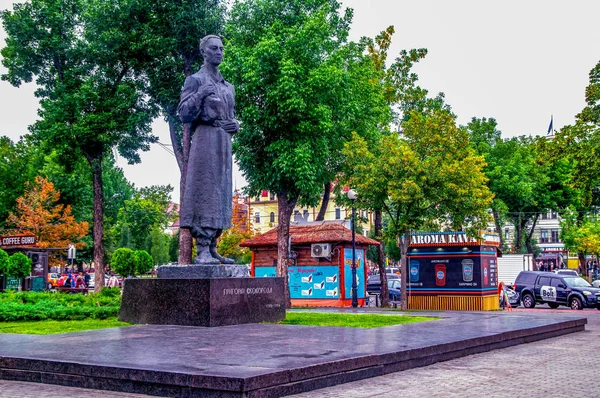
{"x":301,"y":89}
{"x":426,"y":174}
{"x":38,"y":212}
{"x":91,"y":100}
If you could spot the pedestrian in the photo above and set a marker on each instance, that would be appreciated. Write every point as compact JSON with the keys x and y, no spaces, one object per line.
{"x":112,"y":281}
{"x":69,"y":282}
{"x":80,"y":282}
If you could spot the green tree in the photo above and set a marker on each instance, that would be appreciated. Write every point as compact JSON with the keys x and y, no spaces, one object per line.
{"x":148,"y":209}
{"x":578,"y":146}
{"x":91,"y":101}
{"x":3,"y":262}
{"x":143,"y":262}
{"x":125,"y":240}
{"x":170,"y":41}
{"x":229,"y":246}
{"x":298,"y":92}
{"x":580,"y":234}
{"x":160,"y":246}
{"x":429,"y":173}
{"x":525,"y":178}
{"x":19,"y":265}
{"x":401,"y":94}
{"x":174,"y":247}
{"x":123,"y":262}
{"x":20,"y":164}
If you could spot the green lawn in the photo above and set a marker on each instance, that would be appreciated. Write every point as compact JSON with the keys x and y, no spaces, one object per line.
{"x":350,"y":320}
{"x":292,"y":318}
{"x":53,"y":327}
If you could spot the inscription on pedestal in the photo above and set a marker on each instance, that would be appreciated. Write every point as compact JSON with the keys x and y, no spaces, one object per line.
{"x":203,"y":302}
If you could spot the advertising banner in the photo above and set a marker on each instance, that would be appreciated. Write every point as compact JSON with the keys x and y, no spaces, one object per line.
{"x":308,"y":282}
{"x":451,"y":270}
{"x":360,"y":273}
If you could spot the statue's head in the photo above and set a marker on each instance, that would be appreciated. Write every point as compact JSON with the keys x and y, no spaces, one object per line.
{"x":211,"y":49}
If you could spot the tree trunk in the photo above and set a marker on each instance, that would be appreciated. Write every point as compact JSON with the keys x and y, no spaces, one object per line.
{"x":185,"y":236}
{"x":285,"y":208}
{"x":325,"y":203}
{"x":529,"y":235}
{"x":182,"y":154}
{"x":98,"y":231}
{"x":519,"y":234}
{"x":496,"y":216}
{"x":385,"y":297}
{"x":404,"y":268}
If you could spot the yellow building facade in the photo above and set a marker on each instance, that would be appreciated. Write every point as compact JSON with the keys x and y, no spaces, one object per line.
{"x":264,"y":214}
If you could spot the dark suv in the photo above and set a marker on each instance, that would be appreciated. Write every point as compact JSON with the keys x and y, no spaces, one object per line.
{"x":556,"y":289}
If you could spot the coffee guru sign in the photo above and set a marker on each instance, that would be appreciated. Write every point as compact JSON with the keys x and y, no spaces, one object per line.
{"x":10,"y":241}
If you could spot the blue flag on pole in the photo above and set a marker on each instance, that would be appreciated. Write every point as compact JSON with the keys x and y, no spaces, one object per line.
{"x":550,"y":127}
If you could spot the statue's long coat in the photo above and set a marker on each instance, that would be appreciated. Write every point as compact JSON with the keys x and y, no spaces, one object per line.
{"x":208,"y":190}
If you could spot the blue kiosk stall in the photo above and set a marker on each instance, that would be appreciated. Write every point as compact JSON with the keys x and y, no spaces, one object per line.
{"x":452,"y":271}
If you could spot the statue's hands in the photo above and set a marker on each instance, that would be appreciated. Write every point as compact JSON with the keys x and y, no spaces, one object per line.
{"x":230,"y":126}
{"x":205,"y":90}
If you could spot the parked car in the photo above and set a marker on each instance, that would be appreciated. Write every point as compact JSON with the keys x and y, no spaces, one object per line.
{"x":566,"y":272}
{"x":53,"y":279}
{"x":513,"y":297}
{"x":554,"y":289}
{"x":91,"y":280}
{"x":374,"y":282}
{"x":394,"y":289}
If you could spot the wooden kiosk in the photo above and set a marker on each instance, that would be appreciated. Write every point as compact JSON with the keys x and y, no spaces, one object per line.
{"x":320,"y":268}
{"x":451,"y":271}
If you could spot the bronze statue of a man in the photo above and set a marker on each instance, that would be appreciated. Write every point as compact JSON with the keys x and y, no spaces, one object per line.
{"x":207,"y":102}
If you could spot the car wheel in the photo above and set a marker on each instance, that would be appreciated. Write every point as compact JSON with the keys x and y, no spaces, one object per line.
{"x":553,"y":305}
{"x":528,"y":301}
{"x":575,"y":304}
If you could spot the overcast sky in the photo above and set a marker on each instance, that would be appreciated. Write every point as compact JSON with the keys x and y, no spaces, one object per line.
{"x":518,"y":61}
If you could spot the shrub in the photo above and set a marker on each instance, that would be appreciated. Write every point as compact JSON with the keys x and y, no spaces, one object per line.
{"x":143,"y":261}
{"x":123,"y":262}
{"x":32,"y":306}
{"x":19,"y":265}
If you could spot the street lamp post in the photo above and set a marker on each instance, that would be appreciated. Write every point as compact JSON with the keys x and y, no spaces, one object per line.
{"x":352,"y":197}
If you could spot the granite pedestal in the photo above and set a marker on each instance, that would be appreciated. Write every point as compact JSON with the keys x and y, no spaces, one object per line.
{"x":200,"y":295}
{"x":261,"y":360}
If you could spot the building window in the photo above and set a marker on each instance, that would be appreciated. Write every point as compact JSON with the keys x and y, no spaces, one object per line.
{"x":554,"y":236}
{"x":272,"y":217}
{"x":338,"y":213}
{"x":272,"y":196}
{"x":554,"y":215}
{"x":258,"y":198}
{"x":506,"y":233}
{"x":545,"y":216}
{"x":305,"y":215}
{"x":257,"y":217}
{"x":544,"y":236}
